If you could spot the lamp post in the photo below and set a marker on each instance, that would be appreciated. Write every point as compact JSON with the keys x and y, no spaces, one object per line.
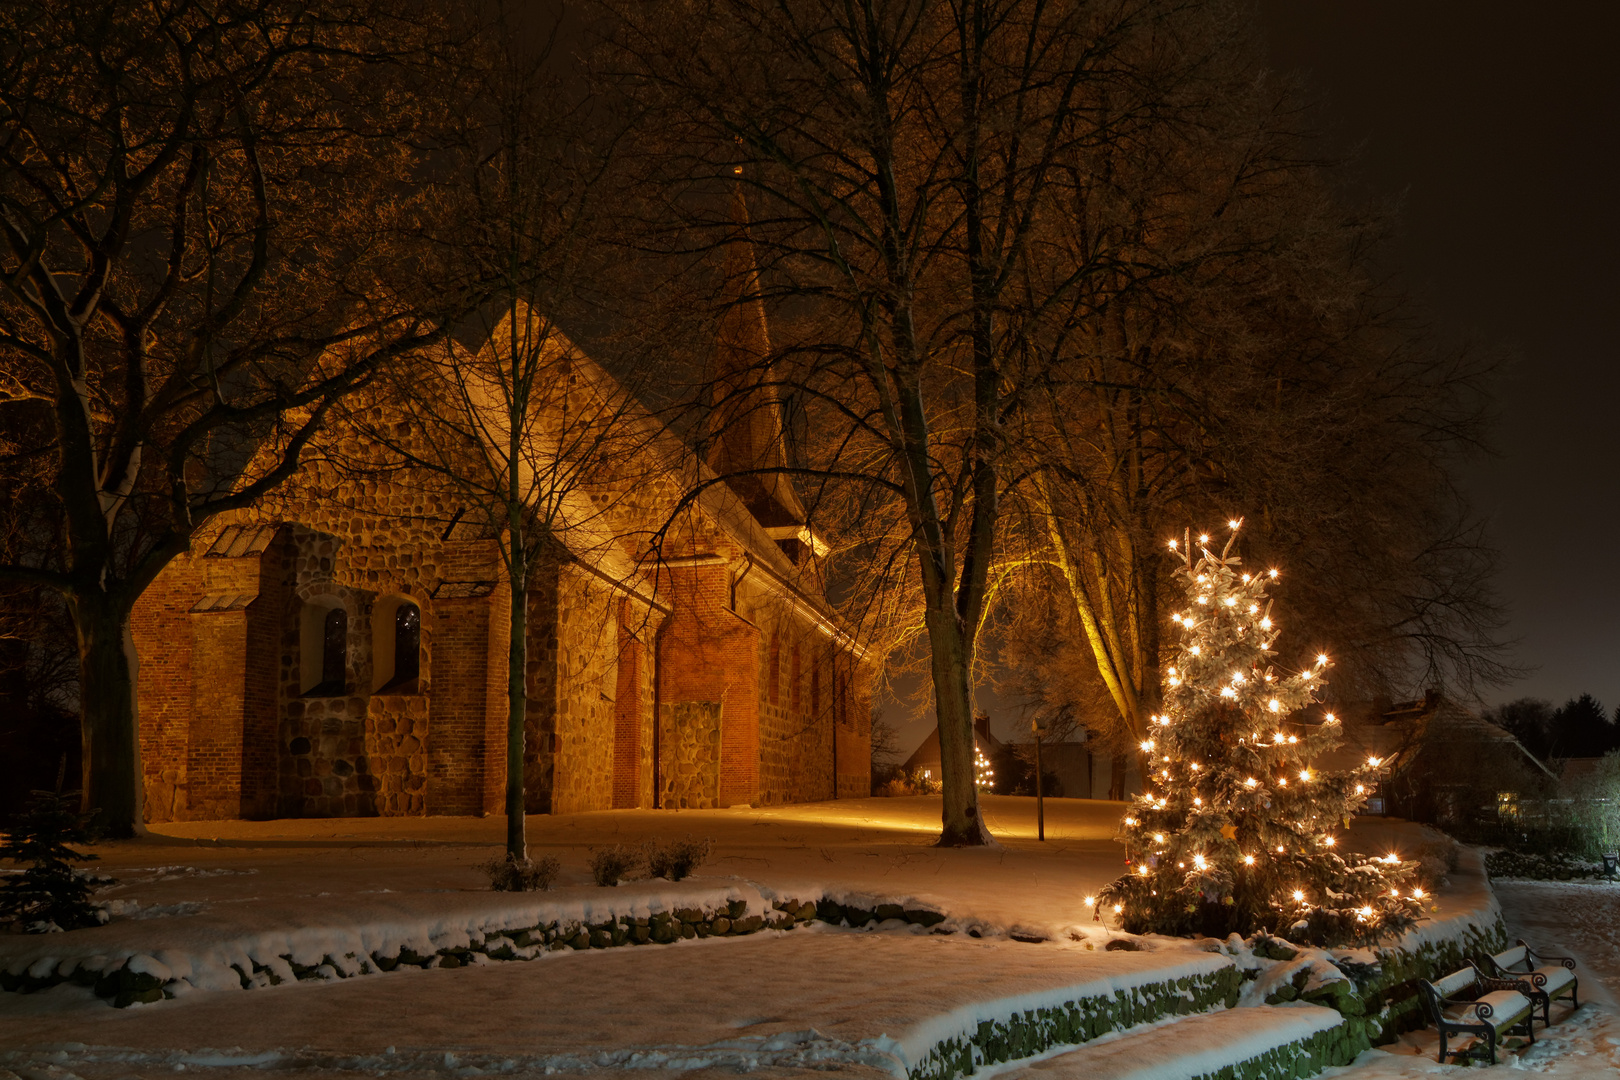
{"x":1040,"y":802}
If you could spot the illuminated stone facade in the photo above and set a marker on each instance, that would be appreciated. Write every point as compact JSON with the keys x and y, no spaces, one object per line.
{"x":340,"y":650}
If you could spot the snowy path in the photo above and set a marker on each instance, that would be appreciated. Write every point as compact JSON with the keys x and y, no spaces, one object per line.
{"x":773,"y":997}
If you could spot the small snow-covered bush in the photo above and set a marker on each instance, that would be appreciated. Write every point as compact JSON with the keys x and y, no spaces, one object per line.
{"x":1539,"y":866}
{"x":1436,"y":858}
{"x":530,"y":875}
{"x":49,"y":895}
{"x":611,"y":865}
{"x":677,"y":858}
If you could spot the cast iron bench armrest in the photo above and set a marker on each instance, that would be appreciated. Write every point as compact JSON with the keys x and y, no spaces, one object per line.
{"x":1567,"y":961}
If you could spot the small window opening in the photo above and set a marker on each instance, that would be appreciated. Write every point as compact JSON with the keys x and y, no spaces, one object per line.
{"x":407,"y":646}
{"x":334,"y":654}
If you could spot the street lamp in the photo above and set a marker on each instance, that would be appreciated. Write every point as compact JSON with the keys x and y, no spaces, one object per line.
{"x":1040,"y":801}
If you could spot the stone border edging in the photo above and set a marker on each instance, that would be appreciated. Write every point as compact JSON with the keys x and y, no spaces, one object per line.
{"x":144,"y":979}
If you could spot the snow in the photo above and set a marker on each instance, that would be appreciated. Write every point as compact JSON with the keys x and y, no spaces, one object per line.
{"x":1191,"y":1046}
{"x":773,"y":1003}
{"x":1579,"y":919}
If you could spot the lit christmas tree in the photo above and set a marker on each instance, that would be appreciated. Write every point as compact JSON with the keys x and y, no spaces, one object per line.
{"x":1238,"y":830}
{"x":983,"y":775}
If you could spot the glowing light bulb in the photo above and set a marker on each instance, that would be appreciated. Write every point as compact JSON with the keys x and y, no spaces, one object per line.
{"x":1195,"y":766}
{"x":1198,"y":861}
{"x":1130,"y":821}
{"x":1394,"y":892}
{"x":1230,"y":601}
{"x":1305,"y":774}
{"x":1248,"y":860}
{"x":1142,"y":870}
{"x":1274,"y":705}
{"x":1118,"y":908}
{"x":1373,"y":762}
{"x":1173,"y":545}
{"x":1265,"y":623}
{"x":1361,"y":789}
{"x":1298,"y":896}
{"x":1233,"y":524}
{"x":1147,"y":744}
{"x":1158,"y":838}
{"x":1273,"y":573}
{"x":1197,"y":801}
{"x":1228,"y":692}
{"x":1281,"y":849}
{"x":1418,"y":893}
{"x":1330,"y":718}
{"x":1282,"y":781}
{"x":1237,"y":677}
{"x":1329,"y":841}
{"x":1366,"y":909}
{"x":1203,"y":539}
{"x":1203,"y":599}
{"x":1279,"y":737}
{"x":1293,"y":738}
{"x":1195,"y":650}
{"x":1091,"y":901}
{"x":1245,"y":579}
{"x":1250,"y":782}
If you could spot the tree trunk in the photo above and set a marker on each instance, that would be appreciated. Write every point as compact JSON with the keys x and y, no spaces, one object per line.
{"x":109,"y":723}
{"x":960,"y":824}
{"x":1116,"y":778}
{"x":517,"y":708}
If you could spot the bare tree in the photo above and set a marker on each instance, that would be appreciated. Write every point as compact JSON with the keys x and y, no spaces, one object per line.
{"x":208,"y":221}
{"x":1259,"y":368}
{"x":899,"y":157}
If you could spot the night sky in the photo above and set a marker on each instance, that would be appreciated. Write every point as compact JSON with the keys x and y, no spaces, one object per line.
{"x":1497,"y":123}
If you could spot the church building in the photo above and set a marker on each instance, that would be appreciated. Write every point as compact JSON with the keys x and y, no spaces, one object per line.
{"x":341,"y":648}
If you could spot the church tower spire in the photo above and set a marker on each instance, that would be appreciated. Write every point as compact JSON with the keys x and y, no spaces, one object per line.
{"x":745,"y":437}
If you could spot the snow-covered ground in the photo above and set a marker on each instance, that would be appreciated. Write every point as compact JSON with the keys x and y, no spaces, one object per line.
{"x":774,"y":1004}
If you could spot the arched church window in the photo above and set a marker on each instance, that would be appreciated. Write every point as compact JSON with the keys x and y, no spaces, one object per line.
{"x":407,"y":643}
{"x":396,"y":646}
{"x":325,"y":650}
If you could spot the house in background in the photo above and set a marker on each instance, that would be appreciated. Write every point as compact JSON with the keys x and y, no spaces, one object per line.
{"x":1445,"y":764}
{"x":924,"y":761}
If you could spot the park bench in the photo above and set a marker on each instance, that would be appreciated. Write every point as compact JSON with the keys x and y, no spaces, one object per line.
{"x":1540,"y":984}
{"x":1469,"y":1002}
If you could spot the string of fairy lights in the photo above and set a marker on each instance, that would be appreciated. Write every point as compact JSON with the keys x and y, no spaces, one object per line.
{"x":1237,"y":823}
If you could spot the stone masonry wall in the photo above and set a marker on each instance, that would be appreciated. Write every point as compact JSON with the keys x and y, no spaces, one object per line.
{"x":587,"y":648}
{"x":690,"y":742}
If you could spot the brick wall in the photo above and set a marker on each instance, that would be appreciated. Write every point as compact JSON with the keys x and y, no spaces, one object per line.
{"x":708,"y":653}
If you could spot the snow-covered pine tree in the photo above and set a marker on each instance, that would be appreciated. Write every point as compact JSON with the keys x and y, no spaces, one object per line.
{"x":1238,"y":829}
{"x":49,"y":894}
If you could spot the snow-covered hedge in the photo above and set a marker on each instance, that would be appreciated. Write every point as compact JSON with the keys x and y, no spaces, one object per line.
{"x":1031,"y":1031}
